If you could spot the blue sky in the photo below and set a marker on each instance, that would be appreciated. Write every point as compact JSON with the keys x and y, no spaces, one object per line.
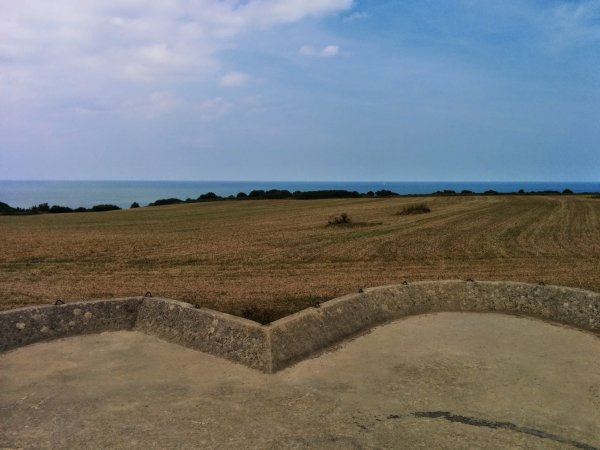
{"x":300,"y":90}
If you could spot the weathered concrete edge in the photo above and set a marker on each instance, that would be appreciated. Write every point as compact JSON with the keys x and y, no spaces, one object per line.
{"x":308,"y":332}
{"x":220,"y":334}
{"x":296,"y":337}
{"x":24,"y":326}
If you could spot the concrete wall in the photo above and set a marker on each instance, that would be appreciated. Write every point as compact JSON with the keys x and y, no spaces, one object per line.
{"x":293,"y":338}
{"x":213,"y":332}
{"x":29,"y":325}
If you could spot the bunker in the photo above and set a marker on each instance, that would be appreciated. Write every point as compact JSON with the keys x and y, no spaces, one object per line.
{"x":416,"y":364}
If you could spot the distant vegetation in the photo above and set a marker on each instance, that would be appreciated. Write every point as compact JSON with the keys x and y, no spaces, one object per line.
{"x":342,"y":219}
{"x":276,"y":194}
{"x":421,"y":208}
{"x":44,"y":208}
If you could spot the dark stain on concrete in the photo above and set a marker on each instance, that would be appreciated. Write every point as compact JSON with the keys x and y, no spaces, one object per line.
{"x":479,"y":422}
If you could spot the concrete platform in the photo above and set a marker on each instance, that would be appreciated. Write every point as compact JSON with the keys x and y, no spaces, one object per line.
{"x":446,"y":380}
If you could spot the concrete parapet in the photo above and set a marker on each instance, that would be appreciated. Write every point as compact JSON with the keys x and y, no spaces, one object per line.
{"x":273,"y":347}
{"x":40,"y":323}
{"x":203,"y":329}
{"x":296,"y":337}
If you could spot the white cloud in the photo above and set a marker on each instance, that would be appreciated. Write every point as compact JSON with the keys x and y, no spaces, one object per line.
{"x":268,"y":12}
{"x":355,"y":16}
{"x":63,"y":48}
{"x":233,"y":79}
{"x":213,"y":109}
{"x":571,"y":24}
{"x":160,"y":103}
{"x":325,"y":52}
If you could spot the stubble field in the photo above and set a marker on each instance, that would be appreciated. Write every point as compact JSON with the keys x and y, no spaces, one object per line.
{"x":266,"y":259}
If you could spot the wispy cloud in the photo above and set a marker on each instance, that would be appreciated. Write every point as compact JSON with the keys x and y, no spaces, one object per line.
{"x":65,"y":46}
{"x":234,"y":79}
{"x":213,"y":108}
{"x":355,"y":16}
{"x":328,"y":51}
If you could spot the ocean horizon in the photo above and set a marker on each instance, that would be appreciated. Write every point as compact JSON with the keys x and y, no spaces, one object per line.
{"x":86,"y":193}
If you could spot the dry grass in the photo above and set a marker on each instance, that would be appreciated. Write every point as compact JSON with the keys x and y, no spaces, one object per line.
{"x":270,"y":258}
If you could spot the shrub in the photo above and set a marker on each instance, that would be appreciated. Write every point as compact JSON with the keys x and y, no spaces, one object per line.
{"x":166,"y":201}
{"x":6,"y":208}
{"x":421,"y":208}
{"x":135,"y":205}
{"x":242,"y":195}
{"x":332,"y":193}
{"x":57,"y":209}
{"x":385,"y":193}
{"x":42,"y":207}
{"x":567,"y":192}
{"x":209,"y":196}
{"x":257,"y":193}
{"x":96,"y":208}
{"x":342,"y":219}
{"x":278,"y":194}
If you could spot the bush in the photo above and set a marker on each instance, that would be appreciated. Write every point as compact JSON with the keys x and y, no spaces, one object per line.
{"x":567,"y":192}
{"x":385,"y":193}
{"x":241,"y":195}
{"x":42,"y":207}
{"x":6,"y":208}
{"x":421,"y":208}
{"x":97,"y":208}
{"x":166,"y":201}
{"x":276,"y":194}
{"x":317,"y":195}
{"x":342,"y":219}
{"x":257,"y":193}
{"x":135,"y":205}
{"x":56,"y":209}
{"x":209,"y":196}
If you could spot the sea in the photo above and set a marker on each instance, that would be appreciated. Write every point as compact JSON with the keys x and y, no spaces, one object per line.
{"x":27,"y":193}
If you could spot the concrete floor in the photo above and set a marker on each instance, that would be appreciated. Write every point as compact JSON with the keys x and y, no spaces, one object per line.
{"x":449,"y":380}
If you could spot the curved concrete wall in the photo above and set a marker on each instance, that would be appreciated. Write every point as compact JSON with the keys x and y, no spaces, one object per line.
{"x":293,"y":338}
{"x":297,"y":336}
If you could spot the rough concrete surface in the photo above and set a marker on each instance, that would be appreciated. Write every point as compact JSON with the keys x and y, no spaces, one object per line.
{"x":446,"y":380}
{"x":276,"y":346}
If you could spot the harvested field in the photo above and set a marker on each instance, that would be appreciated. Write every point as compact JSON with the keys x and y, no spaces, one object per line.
{"x":266,"y":259}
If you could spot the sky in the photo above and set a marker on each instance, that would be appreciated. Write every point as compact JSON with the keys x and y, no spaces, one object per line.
{"x":398,"y":90}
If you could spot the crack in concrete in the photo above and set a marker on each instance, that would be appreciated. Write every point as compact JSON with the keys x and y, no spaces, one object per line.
{"x":479,"y":422}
